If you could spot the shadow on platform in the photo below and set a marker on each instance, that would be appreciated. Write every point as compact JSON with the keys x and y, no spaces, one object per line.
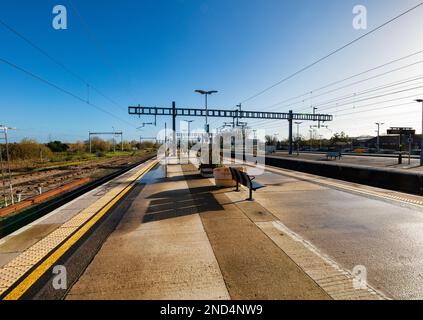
{"x":178,"y":203}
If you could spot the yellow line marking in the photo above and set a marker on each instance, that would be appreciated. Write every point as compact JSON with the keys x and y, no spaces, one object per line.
{"x":33,"y":277}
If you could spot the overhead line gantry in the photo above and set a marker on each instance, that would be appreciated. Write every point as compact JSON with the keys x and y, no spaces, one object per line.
{"x":222,"y":113}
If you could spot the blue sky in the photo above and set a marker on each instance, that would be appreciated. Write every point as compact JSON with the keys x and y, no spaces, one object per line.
{"x":154,"y":52}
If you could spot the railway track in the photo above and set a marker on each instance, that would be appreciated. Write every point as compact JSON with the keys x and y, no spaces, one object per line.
{"x":28,"y":184}
{"x":14,"y":222}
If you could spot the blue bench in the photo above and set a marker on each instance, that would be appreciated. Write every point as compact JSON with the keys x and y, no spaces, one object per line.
{"x":248,"y":181}
{"x":334,"y":154}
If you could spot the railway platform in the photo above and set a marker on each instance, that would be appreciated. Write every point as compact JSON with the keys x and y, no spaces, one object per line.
{"x":27,"y":254}
{"x":171,"y":234}
{"x":183,"y":239}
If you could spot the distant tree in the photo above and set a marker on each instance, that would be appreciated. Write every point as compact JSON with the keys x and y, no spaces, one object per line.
{"x":78,"y":147}
{"x":57,"y":146}
{"x":29,"y":149}
{"x":100,"y":145}
{"x":339,"y":140}
{"x":271,"y":141}
{"x":146,"y":145}
{"x":134,"y":144}
{"x":127,"y":146}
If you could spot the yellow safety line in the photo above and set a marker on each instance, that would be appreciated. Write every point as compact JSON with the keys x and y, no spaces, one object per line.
{"x":33,"y":277}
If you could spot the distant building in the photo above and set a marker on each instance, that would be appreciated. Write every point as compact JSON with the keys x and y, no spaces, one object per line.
{"x":388,"y":142}
{"x":362,"y":142}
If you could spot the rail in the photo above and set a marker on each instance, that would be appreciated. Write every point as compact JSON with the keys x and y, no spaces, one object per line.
{"x":10,"y":224}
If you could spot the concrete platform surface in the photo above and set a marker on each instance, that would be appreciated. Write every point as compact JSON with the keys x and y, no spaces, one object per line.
{"x":26,"y":247}
{"x":177,"y":236}
{"x":354,"y":225}
{"x":159,"y":250}
{"x":386,"y":162}
{"x":182,"y":238}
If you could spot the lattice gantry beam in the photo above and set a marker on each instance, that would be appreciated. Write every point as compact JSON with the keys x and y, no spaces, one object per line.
{"x":187,"y":112}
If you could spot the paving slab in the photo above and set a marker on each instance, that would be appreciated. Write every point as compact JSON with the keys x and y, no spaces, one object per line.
{"x":183,"y":238}
{"x":253,"y":266}
{"x":354,"y":225}
{"x":159,"y":250}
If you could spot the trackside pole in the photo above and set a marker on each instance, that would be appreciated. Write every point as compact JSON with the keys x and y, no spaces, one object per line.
{"x":165,"y":166}
{"x":174,"y":128}
{"x":290,"y":118}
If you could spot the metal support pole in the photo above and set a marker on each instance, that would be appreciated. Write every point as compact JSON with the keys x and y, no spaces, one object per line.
{"x":311,"y":139}
{"x":207,"y":123}
{"x":421,"y":146}
{"x":298,"y":137}
{"x":189,"y":124}
{"x":121,"y":142}
{"x":165,"y":150}
{"x":378,"y":135}
{"x":189,"y":137}
{"x":3,"y":177}
{"x":243,"y":144}
{"x":298,"y":131}
{"x":174,"y":127}
{"x":207,"y":129}
{"x":290,"y":131}
{"x":8,"y":167}
{"x":89,"y":139}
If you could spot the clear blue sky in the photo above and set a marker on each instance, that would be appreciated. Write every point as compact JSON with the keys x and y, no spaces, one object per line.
{"x":154,"y":52}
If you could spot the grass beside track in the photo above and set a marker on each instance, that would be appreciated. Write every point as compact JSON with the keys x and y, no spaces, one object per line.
{"x":63,"y":160}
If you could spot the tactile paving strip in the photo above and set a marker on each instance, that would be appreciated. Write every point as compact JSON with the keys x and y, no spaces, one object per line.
{"x":9,"y":274}
{"x":52,"y":240}
{"x":334,"y":280}
{"x":337,"y":282}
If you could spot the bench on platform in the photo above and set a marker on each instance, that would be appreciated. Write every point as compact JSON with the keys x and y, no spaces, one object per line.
{"x":333,"y":154}
{"x":248,"y":181}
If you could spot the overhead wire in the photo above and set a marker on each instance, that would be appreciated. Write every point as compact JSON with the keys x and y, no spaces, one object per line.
{"x":332,"y":53}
